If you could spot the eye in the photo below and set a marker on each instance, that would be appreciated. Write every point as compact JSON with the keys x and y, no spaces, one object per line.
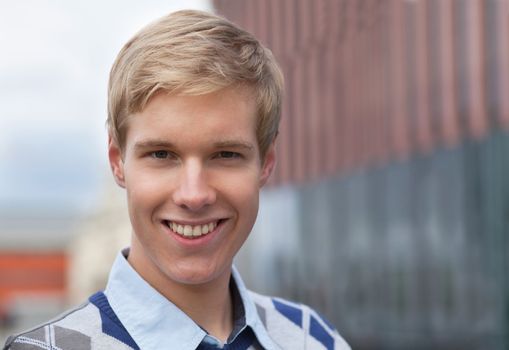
{"x":228,"y":155}
{"x":160,"y":154}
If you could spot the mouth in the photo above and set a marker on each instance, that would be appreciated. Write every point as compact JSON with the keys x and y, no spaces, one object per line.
{"x":193,"y":231}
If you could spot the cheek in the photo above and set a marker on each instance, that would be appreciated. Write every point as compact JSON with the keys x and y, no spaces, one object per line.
{"x":145,"y":192}
{"x":244,"y":193}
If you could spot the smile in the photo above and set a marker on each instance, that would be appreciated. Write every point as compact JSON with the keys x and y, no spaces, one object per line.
{"x":191,"y":231}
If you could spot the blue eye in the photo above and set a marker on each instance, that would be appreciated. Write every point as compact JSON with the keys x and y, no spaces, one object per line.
{"x":159,"y":154}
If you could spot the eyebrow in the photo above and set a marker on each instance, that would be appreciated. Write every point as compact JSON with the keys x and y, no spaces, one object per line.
{"x":234,"y":144}
{"x":152,"y":144}
{"x":239,"y":144}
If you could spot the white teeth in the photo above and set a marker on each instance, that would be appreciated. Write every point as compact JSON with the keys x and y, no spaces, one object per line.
{"x":192,"y":231}
{"x":188,"y":230}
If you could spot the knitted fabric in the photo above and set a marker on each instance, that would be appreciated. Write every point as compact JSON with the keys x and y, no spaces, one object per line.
{"x":94,"y":326}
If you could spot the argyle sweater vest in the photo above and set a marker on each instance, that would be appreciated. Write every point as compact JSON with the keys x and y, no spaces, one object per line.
{"x":95,"y":326}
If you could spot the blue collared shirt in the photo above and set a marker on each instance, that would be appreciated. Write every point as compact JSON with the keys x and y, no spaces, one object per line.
{"x":155,"y":323}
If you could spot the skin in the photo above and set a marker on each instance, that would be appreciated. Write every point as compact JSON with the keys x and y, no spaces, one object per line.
{"x":192,"y":160}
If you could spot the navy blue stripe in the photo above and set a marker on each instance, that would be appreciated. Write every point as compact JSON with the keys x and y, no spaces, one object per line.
{"x":326,"y":321}
{"x":111,"y":325}
{"x":319,"y":333}
{"x":292,"y":313}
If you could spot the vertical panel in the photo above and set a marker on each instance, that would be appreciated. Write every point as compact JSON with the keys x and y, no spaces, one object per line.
{"x":352,"y":84}
{"x":304,"y":16}
{"x":347,"y":85}
{"x":376,"y":64}
{"x":342,"y":104}
{"x":371,"y":84}
{"x":433,"y":33}
{"x":337,"y":97}
{"x":449,"y":114}
{"x":364,"y":94}
{"x":290,"y":52}
{"x":233,"y":11}
{"x":331,"y":110}
{"x":477,"y":119}
{"x":355,"y":148}
{"x":384,"y":84}
{"x":263,"y":24}
{"x":342,"y":21}
{"x":297,"y":123}
{"x":292,"y":34}
{"x":371,"y":34}
{"x":321,"y":24}
{"x":316,"y":54}
{"x":320,"y":21}
{"x":422,"y":82}
{"x":314,"y":115}
{"x":491,"y":73}
{"x":250,"y":15}
{"x":282,"y":28}
{"x":298,"y":128}
{"x":334,"y":15}
{"x":411,"y":72}
{"x":399,"y":120}
{"x":334,"y":92}
{"x":279,"y":27}
{"x":502,"y":35}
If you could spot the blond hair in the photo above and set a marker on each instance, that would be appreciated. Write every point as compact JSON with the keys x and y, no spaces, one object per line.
{"x":192,"y":53}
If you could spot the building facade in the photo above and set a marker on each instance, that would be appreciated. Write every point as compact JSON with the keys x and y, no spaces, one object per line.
{"x":390,"y":206}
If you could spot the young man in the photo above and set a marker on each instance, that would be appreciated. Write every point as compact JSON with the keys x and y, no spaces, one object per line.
{"x":194,"y":108}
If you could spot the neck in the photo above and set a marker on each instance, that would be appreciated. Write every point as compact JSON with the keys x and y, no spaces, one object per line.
{"x":209,"y":304}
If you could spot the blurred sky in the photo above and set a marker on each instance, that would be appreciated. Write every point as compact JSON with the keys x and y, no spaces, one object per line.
{"x":54,"y":65}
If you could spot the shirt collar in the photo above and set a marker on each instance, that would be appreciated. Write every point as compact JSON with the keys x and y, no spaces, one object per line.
{"x":156,"y":323}
{"x":146,"y":314}
{"x":252,"y":318}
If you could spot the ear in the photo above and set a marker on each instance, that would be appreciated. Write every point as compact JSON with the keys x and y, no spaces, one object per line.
{"x":116,"y":162}
{"x":269,"y":163}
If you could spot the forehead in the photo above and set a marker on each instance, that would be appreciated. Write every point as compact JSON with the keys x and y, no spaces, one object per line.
{"x":222,"y":116}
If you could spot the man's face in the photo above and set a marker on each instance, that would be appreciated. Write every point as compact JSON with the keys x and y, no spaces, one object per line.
{"x":192,"y":172}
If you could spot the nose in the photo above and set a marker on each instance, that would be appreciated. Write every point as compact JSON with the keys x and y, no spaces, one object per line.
{"x":193,"y":191}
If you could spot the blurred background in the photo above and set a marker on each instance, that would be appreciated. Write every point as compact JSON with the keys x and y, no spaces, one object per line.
{"x":389,"y":208}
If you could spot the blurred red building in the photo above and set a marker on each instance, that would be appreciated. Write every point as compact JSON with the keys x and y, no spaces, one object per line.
{"x":372,"y":81}
{"x":26,"y":274}
{"x":34,"y":264}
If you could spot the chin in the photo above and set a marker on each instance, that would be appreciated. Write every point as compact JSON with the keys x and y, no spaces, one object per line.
{"x":196,"y":273}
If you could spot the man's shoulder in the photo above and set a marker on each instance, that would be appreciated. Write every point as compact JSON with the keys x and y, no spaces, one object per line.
{"x":289,"y":323}
{"x":83,"y":327}
{"x":48,"y":334}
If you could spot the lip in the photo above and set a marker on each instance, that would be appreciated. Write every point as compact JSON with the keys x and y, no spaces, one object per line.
{"x":195,"y":223}
{"x":194,"y":242}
